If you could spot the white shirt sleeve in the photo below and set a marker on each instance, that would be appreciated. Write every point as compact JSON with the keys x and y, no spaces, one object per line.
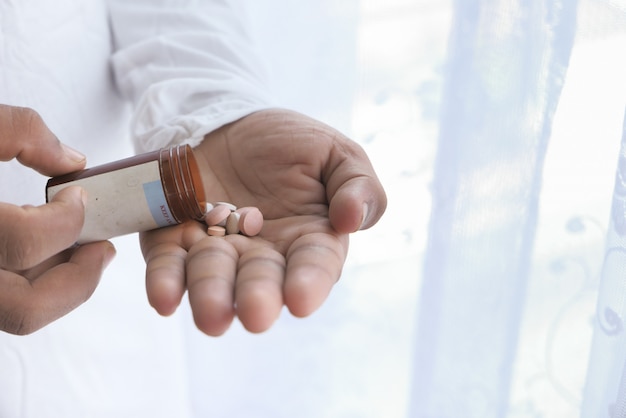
{"x":188,"y":67}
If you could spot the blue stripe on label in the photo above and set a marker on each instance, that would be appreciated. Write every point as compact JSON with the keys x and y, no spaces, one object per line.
{"x":158,"y":205}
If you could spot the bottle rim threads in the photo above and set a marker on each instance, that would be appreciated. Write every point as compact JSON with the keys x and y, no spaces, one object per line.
{"x":182,"y":183}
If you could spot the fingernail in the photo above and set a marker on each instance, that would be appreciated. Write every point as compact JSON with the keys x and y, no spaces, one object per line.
{"x":364,"y":215}
{"x":72,"y":154}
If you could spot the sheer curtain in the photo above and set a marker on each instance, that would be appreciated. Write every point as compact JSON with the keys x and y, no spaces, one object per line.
{"x":531,"y":120}
{"x":494,"y":285}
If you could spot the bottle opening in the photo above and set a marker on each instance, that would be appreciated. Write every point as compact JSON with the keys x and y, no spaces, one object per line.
{"x":182,"y":183}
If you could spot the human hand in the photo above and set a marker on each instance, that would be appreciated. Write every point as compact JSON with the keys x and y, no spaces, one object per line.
{"x":40,"y":278}
{"x":314,"y":187}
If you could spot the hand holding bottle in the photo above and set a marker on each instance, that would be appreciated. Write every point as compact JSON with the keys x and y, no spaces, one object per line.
{"x":41,"y":279}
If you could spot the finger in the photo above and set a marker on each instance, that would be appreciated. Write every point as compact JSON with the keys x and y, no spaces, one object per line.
{"x":314,"y":264}
{"x":29,"y":235}
{"x":165,"y":277}
{"x":24,"y":135}
{"x":164,"y":251}
{"x":357,"y":198}
{"x":26,"y":306}
{"x":259,"y":288}
{"x":211,"y":271}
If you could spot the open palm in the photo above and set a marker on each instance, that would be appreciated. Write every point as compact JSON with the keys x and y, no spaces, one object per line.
{"x":314,"y":187}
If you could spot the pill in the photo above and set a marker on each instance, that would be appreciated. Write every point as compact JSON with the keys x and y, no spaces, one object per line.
{"x":232,"y":223}
{"x":216,"y":231}
{"x":207,"y":207}
{"x":230,"y":206}
{"x":250,"y":221}
{"x":217,"y":215}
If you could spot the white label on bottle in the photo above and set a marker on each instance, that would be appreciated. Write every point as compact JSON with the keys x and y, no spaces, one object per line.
{"x":122,"y":201}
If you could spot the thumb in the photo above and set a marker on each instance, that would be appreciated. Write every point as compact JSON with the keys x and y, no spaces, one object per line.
{"x":64,"y":214}
{"x":357,"y":198}
{"x":29,"y":234}
{"x":357,"y":205}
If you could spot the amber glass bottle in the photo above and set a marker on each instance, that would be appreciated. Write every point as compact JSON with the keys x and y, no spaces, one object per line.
{"x":139,"y":193}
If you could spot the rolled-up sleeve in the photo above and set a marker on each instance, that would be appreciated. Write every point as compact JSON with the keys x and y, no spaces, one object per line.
{"x":187,"y":66}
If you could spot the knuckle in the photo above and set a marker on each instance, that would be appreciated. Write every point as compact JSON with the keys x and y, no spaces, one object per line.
{"x":17,"y":245}
{"x":353,"y":149}
{"x":21,"y":128}
{"x":25,"y":119}
{"x":28,"y":116}
{"x":17,"y":322}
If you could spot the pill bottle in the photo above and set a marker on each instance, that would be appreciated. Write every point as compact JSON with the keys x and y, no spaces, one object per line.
{"x":136,"y":194}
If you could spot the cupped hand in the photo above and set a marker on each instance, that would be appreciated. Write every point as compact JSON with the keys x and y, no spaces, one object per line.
{"x":41,"y":277}
{"x":314,"y":187}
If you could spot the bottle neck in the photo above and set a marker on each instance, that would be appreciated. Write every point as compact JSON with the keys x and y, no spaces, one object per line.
{"x":182,"y":183}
